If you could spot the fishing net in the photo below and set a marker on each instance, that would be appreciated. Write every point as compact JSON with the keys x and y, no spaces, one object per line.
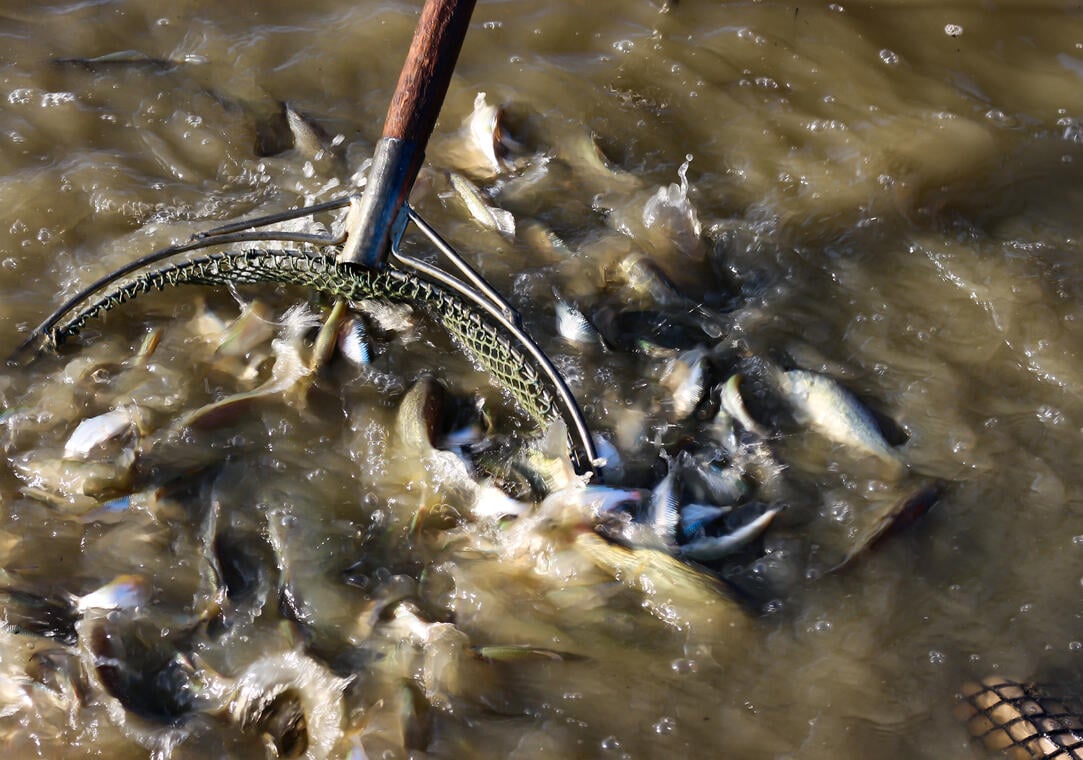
{"x":1023,"y":719}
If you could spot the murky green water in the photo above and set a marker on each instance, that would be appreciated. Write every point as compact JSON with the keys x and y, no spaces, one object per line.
{"x":887,"y":193}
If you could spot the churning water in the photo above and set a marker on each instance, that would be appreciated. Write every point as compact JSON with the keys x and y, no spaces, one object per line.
{"x":885,"y":193}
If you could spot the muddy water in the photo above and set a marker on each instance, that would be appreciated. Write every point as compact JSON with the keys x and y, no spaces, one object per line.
{"x":887,"y":193}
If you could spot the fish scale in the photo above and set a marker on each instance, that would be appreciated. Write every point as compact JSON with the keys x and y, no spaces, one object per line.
{"x":513,"y":368}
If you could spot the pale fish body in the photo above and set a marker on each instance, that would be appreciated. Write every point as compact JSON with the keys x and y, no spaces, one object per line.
{"x":95,"y":431}
{"x":695,"y":517}
{"x":662,"y":514}
{"x":678,"y":595}
{"x":715,"y":484}
{"x":123,"y":592}
{"x":488,"y":216}
{"x":492,"y":503}
{"x":741,"y":525}
{"x":833,"y":412}
{"x":733,"y":404}
{"x":600,"y":500}
{"x":490,"y":136}
{"x":685,"y":378}
{"x":309,"y":139}
{"x":573,"y":326}
{"x":354,"y":343}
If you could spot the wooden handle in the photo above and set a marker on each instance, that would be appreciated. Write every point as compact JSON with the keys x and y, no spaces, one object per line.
{"x":427,"y":71}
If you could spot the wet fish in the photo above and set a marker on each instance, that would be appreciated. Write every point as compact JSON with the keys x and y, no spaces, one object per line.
{"x":662,"y":513}
{"x":685,"y":378}
{"x":573,"y":325}
{"x":128,"y":58}
{"x":309,"y":138}
{"x":672,"y":591}
{"x":733,"y":404}
{"x":54,"y":614}
{"x":710,"y":482}
{"x":487,"y":215}
{"x":94,"y":432}
{"x":833,"y":412}
{"x":716,"y":535}
{"x":354,"y":342}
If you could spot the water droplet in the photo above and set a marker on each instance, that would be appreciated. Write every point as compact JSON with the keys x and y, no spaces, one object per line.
{"x":937,"y":657}
{"x":889,"y":57}
{"x":953,"y":30}
{"x":611,"y":744}
{"x":1075,"y":646}
{"x":623,"y":46}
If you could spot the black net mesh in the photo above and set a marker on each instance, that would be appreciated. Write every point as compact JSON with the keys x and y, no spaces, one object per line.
{"x":485,"y":341}
{"x":1023,"y":720}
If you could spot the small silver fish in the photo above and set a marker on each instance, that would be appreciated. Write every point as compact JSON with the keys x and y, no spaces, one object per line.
{"x":354,"y":342}
{"x":833,"y":412}
{"x":573,"y":326}
{"x":733,"y":404}
{"x":684,"y":378}
{"x":712,"y":483}
{"x":488,"y":216}
{"x":696,"y":517}
{"x":662,"y":513}
{"x":741,"y":525}
{"x":309,"y":139}
{"x":95,"y":431}
{"x":123,"y":592}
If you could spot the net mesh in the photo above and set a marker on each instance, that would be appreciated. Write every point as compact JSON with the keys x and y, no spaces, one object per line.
{"x":1024,"y":720}
{"x":485,"y":341}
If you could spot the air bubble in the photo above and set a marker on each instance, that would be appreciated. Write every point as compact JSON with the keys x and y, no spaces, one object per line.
{"x":953,"y":30}
{"x":665,"y":726}
{"x":889,"y":57}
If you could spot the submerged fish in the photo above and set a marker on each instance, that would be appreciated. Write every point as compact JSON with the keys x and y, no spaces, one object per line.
{"x":534,"y":385}
{"x":833,"y":412}
{"x":487,"y":215}
{"x":54,"y":614}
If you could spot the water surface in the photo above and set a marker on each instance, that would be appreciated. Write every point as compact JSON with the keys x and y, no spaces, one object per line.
{"x":887,"y":193}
